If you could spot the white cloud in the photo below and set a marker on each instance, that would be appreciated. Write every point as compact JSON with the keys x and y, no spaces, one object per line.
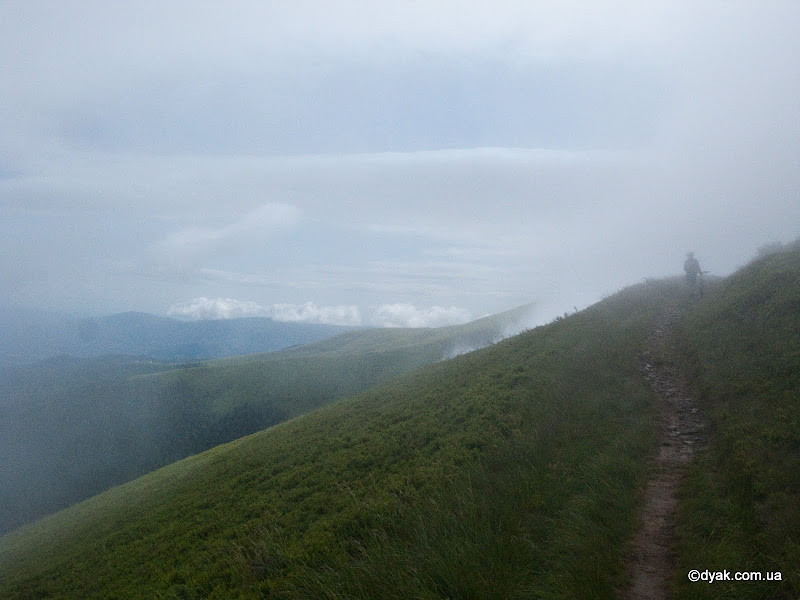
{"x":185,"y":139}
{"x":311,"y":313}
{"x":216,"y":308}
{"x":386,"y":315}
{"x":156,"y":36}
{"x":230,"y":308}
{"x":408,"y":315}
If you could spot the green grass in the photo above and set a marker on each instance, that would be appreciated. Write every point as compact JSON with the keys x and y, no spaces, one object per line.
{"x":509,"y":472}
{"x":70,"y":429}
{"x":741,"y":503}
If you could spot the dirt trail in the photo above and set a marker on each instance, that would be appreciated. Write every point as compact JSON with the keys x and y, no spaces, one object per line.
{"x":681,"y":433}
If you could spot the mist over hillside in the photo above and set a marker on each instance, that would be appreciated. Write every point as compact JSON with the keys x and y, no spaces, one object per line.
{"x":70,"y":427}
{"x":454,"y":479}
{"x":449,"y":480}
{"x":253,"y":259}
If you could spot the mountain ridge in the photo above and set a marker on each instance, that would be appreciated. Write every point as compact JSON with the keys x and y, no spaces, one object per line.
{"x":315,"y":489}
{"x":515,"y":471}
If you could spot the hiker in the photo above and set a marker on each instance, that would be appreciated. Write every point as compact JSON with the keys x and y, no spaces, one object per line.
{"x":692,"y":268}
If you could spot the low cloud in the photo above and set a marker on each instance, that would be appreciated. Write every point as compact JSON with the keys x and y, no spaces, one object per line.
{"x":527,"y":318}
{"x":386,"y":315}
{"x":216,"y":308}
{"x":311,"y":313}
{"x":408,"y":315}
{"x":230,"y":308}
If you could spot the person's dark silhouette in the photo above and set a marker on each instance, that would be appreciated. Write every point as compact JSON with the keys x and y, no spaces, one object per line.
{"x":692,"y":269}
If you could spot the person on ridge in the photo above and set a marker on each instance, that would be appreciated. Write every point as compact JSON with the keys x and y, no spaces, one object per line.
{"x":692,"y":268}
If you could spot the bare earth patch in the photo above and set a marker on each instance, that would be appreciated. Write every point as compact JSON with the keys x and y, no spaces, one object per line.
{"x":681,"y":433}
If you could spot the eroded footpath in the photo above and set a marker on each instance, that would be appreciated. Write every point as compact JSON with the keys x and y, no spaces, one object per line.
{"x":651,"y":560}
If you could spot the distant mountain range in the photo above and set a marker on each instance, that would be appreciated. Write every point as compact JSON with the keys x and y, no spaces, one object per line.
{"x":30,"y":336}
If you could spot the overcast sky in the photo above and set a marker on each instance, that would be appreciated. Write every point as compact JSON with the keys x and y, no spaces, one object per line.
{"x":392,"y":163}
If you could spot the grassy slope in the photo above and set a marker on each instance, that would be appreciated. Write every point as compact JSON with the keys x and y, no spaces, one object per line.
{"x":302,"y":378}
{"x":741,"y":504}
{"x":89,"y":424}
{"x":506,"y":473}
{"x":441,"y":341}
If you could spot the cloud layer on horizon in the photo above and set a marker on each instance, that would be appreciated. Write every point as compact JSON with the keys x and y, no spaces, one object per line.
{"x":387,"y":315}
{"x":386,"y":155}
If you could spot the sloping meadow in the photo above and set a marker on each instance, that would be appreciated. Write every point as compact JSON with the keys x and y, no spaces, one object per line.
{"x":510,"y":472}
{"x":740,"y":507}
{"x":72,"y":428}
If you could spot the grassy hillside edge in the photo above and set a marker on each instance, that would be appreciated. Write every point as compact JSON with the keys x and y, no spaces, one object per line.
{"x":70,"y":429}
{"x":510,"y":472}
{"x":740,"y":506}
